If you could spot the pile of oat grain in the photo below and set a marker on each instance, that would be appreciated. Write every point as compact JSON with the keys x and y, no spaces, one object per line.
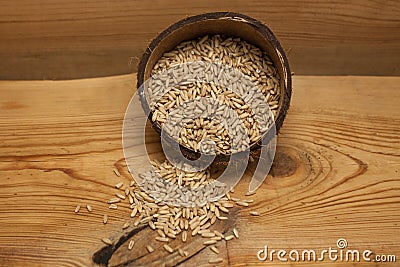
{"x":172,"y":222}
{"x":233,"y":52}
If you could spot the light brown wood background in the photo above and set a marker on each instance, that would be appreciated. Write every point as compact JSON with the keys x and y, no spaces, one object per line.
{"x":51,"y":39}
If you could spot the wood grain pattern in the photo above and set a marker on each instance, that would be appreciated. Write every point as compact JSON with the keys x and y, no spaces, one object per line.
{"x":335,"y":175}
{"x":49,"y":39}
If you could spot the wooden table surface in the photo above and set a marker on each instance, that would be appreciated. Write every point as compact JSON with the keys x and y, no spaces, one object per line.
{"x":335,"y":174}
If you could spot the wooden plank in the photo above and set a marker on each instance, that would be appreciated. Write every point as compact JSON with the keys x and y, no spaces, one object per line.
{"x":335,"y":175}
{"x":49,"y":39}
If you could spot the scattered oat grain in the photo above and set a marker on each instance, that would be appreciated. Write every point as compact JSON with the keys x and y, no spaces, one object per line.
{"x":119,"y":185}
{"x":216,"y":260}
{"x":149,"y":248}
{"x":184,"y":236}
{"x":242,"y":203}
{"x":209,"y":242}
{"x":229,"y":237}
{"x":235,"y":232}
{"x":162,"y":239}
{"x":113,"y":207}
{"x":78,"y":207}
{"x":168,"y":248}
{"x":106,"y":241}
{"x":214,"y":249}
{"x":131,"y":244}
{"x":116,"y":172}
{"x":126,"y":225}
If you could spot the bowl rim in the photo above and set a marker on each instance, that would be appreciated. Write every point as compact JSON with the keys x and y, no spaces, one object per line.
{"x":260,"y":27}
